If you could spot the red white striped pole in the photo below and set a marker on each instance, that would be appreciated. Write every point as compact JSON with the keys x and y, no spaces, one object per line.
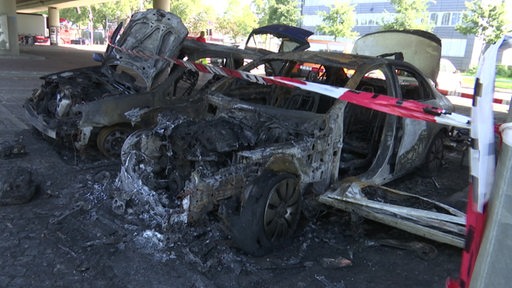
{"x":482,"y":163}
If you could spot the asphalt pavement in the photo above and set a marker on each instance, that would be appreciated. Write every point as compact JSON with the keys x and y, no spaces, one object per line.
{"x":66,"y":236}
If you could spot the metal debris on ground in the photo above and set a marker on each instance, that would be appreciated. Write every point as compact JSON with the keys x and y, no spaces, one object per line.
{"x":12,"y":149}
{"x":409,"y":212}
{"x":328,"y":284}
{"x":77,"y":207}
{"x":422,"y":250}
{"x":338,"y":262}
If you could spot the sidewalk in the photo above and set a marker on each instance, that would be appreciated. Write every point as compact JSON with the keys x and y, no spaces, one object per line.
{"x":44,"y":58}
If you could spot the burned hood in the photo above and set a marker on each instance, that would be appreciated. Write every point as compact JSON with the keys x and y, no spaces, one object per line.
{"x":420,"y":48}
{"x":148,"y":35}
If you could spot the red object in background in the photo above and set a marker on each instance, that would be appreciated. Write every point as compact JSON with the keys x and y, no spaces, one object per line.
{"x":41,"y":40}
{"x":201,"y":38}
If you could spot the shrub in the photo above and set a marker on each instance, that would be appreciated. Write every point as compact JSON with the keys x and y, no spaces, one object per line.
{"x":472,"y":70}
{"x":504,"y":71}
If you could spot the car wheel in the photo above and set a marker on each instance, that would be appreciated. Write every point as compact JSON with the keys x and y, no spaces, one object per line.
{"x":312,"y":76}
{"x":110,"y":140}
{"x":270,"y":214}
{"x":434,"y":159}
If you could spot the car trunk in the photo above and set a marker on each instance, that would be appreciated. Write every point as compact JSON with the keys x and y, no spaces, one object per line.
{"x":420,"y":48}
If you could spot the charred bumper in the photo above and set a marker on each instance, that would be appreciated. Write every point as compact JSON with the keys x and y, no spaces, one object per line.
{"x":38,"y":122}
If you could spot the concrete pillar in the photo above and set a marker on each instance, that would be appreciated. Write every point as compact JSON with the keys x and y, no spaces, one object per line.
{"x":8,"y":29}
{"x":54,"y":25}
{"x":162,"y":4}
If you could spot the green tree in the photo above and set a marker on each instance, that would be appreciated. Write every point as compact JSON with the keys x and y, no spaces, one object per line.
{"x":199,"y":21}
{"x":183,"y":8}
{"x":283,"y":12}
{"x":118,"y":11}
{"x":485,"y":21}
{"x":195,"y":14}
{"x":410,"y":14}
{"x":339,"y":21}
{"x":238,"y":20}
{"x":261,"y":11}
{"x":76,"y":15}
{"x":277,"y":11}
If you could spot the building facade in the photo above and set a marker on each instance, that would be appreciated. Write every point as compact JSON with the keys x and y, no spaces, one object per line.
{"x":461,"y":50}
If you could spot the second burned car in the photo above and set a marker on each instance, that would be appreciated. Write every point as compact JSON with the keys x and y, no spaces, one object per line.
{"x":86,"y":104}
{"x":96,"y":106}
{"x":250,"y":151}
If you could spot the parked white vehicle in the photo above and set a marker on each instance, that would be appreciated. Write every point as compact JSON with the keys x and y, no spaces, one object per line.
{"x":449,"y":78}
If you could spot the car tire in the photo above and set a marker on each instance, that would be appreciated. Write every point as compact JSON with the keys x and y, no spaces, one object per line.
{"x":269,"y":216}
{"x":434,"y":159}
{"x":110,"y":140}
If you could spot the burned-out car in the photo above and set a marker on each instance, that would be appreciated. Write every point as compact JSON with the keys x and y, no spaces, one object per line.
{"x":249,"y":151}
{"x":89,"y":103}
{"x":99,"y":105}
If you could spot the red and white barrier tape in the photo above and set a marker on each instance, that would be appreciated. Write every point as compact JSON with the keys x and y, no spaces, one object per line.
{"x":470,"y":96}
{"x":403,"y":108}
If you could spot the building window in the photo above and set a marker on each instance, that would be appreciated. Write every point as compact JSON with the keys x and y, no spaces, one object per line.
{"x":433,"y":19}
{"x":445,"y":20}
{"x":453,"y":47}
{"x":372,"y":19}
{"x":455,"y":18}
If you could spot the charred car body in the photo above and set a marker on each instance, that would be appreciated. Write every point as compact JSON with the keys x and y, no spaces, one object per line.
{"x":250,"y":151}
{"x":100,"y":104}
{"x":73,"y":106}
